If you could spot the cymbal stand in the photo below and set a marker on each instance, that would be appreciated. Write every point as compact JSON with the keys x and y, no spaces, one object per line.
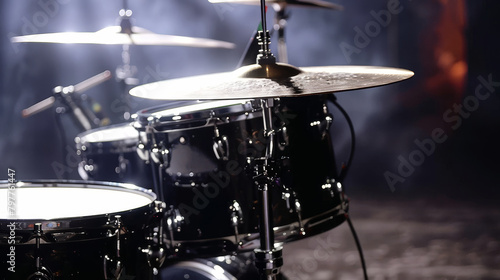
{"x":125,"y":72}
{"x":268,"y":258}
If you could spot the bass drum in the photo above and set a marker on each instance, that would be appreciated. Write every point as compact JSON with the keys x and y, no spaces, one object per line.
{"x":207,"y":153}
{"x":220,"y":268}
{"x":85,"y":230}
{"x":111,"y":154}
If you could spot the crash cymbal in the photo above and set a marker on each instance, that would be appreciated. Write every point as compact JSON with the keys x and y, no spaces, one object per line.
{"x":269,"y":81}
{"x":113,"y":36}
{"x":304,"y":3}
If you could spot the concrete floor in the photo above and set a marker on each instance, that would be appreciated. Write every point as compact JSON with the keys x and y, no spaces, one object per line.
{"x":404,"y":239}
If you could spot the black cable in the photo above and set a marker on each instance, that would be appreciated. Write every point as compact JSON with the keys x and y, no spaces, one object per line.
{"x":342,"y":175}
{"x":358,"y":244}
{"x":345,"y":168}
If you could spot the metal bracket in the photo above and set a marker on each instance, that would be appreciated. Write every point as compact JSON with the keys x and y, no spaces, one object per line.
{"x":236,"y":218}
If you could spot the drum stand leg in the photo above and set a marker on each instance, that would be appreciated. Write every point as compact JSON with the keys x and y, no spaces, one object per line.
{"x":268,"y":259}
{"x":41,"y":273}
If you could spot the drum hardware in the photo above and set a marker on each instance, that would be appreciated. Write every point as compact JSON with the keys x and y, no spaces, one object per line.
{"x":328,"y":186}
{"x":41,"y":273}
{"x":268,"y":258}
{"x":156,"y":251}
{"x":84,"y":117}
{"x":281,"y":16}
{"x":86,"y":169}
{"x":325,"y":124}
{"x":160,"y":156}
{"x":159,"y":152}
{"x":174,"y":223}
{"x":122,"y":165}
{"x":221,"y":145}
{"x":142,"y":152}
{"x":116,"y":263}
{"x":236,"y":219}
{"x":288,"y":195}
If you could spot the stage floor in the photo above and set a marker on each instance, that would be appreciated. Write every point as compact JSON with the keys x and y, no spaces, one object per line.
{"x":404,"y":239}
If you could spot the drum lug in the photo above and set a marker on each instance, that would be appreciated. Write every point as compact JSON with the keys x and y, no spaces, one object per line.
{"x":161,"y":155}
{"x":287,"y":195}
{"x":221,"y":145}
{"x":156,"y":255}
{"x":283,"y":139}
{"x":329,"y":186}
{"x":86,"y":170}
{"x":298,"y":210}
{"x":156,"y":252}
{"x":325,"y":124}
{"x":236,"y":218}
{"x":141,"y":152}
{"x":118,"y":268}
{"x":174,"y":222}
{"x":121,"y":169}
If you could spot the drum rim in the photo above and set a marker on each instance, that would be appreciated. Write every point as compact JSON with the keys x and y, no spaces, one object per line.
{"x":79,"y":184}
{"x":151,"y":117}
{"x":81,"y":139}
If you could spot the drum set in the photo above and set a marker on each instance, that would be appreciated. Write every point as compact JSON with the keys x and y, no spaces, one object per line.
{"x":211,"y":187}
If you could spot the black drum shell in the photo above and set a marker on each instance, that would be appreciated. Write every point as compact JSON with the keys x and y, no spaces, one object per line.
{"x":204,"y":187}
{"x":77,"y":247}
{"x":113,"y":156}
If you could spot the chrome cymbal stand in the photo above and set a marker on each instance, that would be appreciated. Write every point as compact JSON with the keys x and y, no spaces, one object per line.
{"x":268,"y":258}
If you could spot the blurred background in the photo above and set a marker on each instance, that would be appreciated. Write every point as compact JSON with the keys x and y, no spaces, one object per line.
{"x":427,"y":153}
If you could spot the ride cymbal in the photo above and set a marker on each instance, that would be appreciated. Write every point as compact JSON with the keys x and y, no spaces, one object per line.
{"x":269,"y":81}
{"x":113,"y":35}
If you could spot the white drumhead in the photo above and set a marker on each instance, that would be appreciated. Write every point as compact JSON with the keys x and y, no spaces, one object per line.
{"x":32,"y":201}
{"x":109,"y":134}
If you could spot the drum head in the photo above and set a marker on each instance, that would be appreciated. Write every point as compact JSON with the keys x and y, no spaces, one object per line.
{"x":66,"y":200}
{"x":114,"y":133}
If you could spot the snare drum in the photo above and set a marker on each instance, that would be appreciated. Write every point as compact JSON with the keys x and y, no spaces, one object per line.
{"x":111,"y":154}
{"x":88,"y":230}
{"x":207,"y":152}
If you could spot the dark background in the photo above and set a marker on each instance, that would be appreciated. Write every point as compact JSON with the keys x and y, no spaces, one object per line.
{"x":446,"y":46}
{"x":388,"y":120}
